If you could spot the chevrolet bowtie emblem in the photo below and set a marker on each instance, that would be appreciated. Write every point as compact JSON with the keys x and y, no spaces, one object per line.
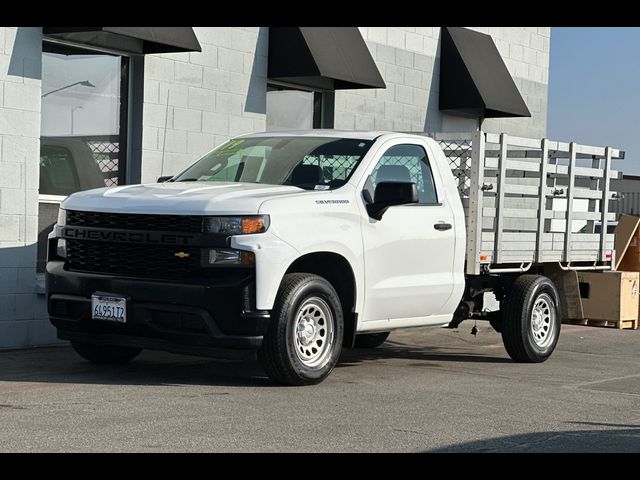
{"x":181,"y":254}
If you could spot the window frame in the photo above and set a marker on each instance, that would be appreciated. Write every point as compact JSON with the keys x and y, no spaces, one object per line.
{"x":128,"y":119}
{"x":125,"y":104}
{"x":323,"y":102}
{"x":384,"y":149}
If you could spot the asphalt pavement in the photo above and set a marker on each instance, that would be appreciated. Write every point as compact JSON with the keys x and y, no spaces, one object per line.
{"x":424,"y":390}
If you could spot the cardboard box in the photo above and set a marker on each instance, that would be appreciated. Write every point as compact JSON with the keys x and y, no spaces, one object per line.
{"x":609,"y":295}
{"x":627,"y":243}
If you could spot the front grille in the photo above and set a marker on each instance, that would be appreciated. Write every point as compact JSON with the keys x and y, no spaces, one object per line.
{"x":157,"y":261}
{"x":135,"y":221}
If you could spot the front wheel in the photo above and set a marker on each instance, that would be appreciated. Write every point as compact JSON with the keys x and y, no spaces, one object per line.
{"x":531,"y":325}
{"x":305,"y":337}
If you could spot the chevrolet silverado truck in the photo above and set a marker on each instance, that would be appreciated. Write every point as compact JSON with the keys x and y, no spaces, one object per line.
{"x":293,"y":245}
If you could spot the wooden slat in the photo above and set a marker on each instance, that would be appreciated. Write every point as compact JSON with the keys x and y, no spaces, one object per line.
{"x":589,"y":150}
{"x":586,"y":193}
{"x":475,"y":221}
{"x":511,"y":213}
{"x":524,"y":142}
{"x":569,"y":215}
{"x":604,"y":203}
{"x":542,"y":203}
{"x":500,"y":211}
{"x":562,"y":214}
{"x":514,"y":189}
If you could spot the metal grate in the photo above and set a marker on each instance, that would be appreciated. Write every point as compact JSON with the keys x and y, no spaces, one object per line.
{"x":335,"y":167}
{"x":458,"y":152}
{"x":157,"y":261}
{"x":106,"y":153}
{"x":133,"y":221}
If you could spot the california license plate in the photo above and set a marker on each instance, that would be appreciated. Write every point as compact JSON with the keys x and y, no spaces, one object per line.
{"x":108,"y":307}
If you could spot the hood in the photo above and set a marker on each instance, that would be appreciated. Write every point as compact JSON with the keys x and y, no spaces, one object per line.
{"x":180,"y":198}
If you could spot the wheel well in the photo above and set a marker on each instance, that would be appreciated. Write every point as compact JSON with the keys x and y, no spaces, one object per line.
{"x":338,"y":272}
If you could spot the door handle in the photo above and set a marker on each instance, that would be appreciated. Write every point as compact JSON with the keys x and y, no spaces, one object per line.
{"x":442,"y":226}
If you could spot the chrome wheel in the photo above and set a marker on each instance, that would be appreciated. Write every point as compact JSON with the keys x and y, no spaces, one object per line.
{"x":313,"y":333}
{"x":543,"y":319}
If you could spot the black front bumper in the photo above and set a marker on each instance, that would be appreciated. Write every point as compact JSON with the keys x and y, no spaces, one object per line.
{"x":210,"y":316}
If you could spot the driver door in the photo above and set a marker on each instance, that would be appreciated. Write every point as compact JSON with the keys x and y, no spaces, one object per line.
{"x":409,"y":253}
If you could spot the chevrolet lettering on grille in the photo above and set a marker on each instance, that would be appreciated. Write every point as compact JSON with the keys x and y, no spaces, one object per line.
{"x":83,"y":233}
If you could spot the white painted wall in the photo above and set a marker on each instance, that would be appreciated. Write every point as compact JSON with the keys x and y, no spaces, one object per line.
{"x":212,"y":95}
{"x":22,"y":313}
{"x":221,"y":92}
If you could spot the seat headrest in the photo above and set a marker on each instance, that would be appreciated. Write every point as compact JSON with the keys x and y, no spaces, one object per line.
{"x":306,"y":175}
{"x":393,"y":173}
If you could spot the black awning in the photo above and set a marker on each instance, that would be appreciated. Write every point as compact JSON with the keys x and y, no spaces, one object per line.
{"x":474,"y":81}
{"x":140,"y":40}
{"x":330,"y":58}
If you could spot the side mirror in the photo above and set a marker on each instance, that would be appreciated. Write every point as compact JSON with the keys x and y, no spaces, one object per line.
{"x":389,"y":194}
{"x":165,"y":178}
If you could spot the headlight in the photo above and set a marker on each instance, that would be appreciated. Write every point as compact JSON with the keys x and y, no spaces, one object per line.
{"x":62,"y":217}
{"x":221,"y":257}
{"x":236,"y":225}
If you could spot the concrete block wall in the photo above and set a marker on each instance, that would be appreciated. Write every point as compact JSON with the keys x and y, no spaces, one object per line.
{"x":195,"y":101}
{"x":408,"y":59}
{"x":23,"y":318}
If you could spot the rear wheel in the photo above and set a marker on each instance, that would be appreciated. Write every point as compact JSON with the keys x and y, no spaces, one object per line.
{"x":105,"y":353}
{"x":305,"y":338}
{"x":531,"y":325}
{"x":371,"y":340}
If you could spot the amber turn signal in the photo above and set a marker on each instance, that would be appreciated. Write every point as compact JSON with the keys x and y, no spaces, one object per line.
{"x":253,"y":225}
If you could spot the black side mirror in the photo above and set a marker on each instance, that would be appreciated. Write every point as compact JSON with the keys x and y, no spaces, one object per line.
{"x":389,"y":194}
{"x":165,"y":178}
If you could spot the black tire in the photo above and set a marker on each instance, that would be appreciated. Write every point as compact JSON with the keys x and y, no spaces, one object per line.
{"x":496,"y":320}
{"x":517,"y":331}
{"x":278,"y":353}
{"x":370,"y":340}
{"x":105,"y":354}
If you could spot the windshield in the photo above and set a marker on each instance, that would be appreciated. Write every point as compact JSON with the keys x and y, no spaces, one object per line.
{"x":312,"y":163}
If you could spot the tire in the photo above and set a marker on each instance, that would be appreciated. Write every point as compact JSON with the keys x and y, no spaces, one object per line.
{"x":295,"y":349}
{"x":531,"y":325}
{"x":370,"y":340}
{"x":495,"y":320}
{"x":105,"y":354}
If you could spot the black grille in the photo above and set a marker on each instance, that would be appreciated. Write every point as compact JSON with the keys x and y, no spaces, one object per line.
{"x":134,"y":221}
{"x":158,"y":261}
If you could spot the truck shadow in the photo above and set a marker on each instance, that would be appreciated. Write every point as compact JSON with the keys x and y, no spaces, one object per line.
{"x":391,"y":350}
{"x":612,"y":438}
{"x":61,"y":365}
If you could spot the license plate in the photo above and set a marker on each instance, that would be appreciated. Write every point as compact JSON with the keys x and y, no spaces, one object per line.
{"x":109,"y":307}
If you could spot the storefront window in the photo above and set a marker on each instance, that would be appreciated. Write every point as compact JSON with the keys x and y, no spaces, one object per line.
{"x":291,"y":109}
{"x":82,"y":142}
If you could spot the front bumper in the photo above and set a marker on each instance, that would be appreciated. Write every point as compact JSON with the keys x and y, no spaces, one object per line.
{"x":200,"y":316}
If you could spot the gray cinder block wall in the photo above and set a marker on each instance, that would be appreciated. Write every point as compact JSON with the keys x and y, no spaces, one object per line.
{"x":408,"y":59}
{"x":221,"y":91}
{"x":212,"y":95}
{"x":22,"y":315}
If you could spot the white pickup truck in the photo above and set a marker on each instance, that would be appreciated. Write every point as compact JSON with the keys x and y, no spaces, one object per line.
{"x":296,"y":244}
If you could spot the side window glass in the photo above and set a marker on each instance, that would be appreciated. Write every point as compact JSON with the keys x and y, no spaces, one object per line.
{"x":407,"y":163}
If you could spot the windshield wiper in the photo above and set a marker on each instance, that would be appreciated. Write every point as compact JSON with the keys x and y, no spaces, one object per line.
{"x":187,"y":180}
